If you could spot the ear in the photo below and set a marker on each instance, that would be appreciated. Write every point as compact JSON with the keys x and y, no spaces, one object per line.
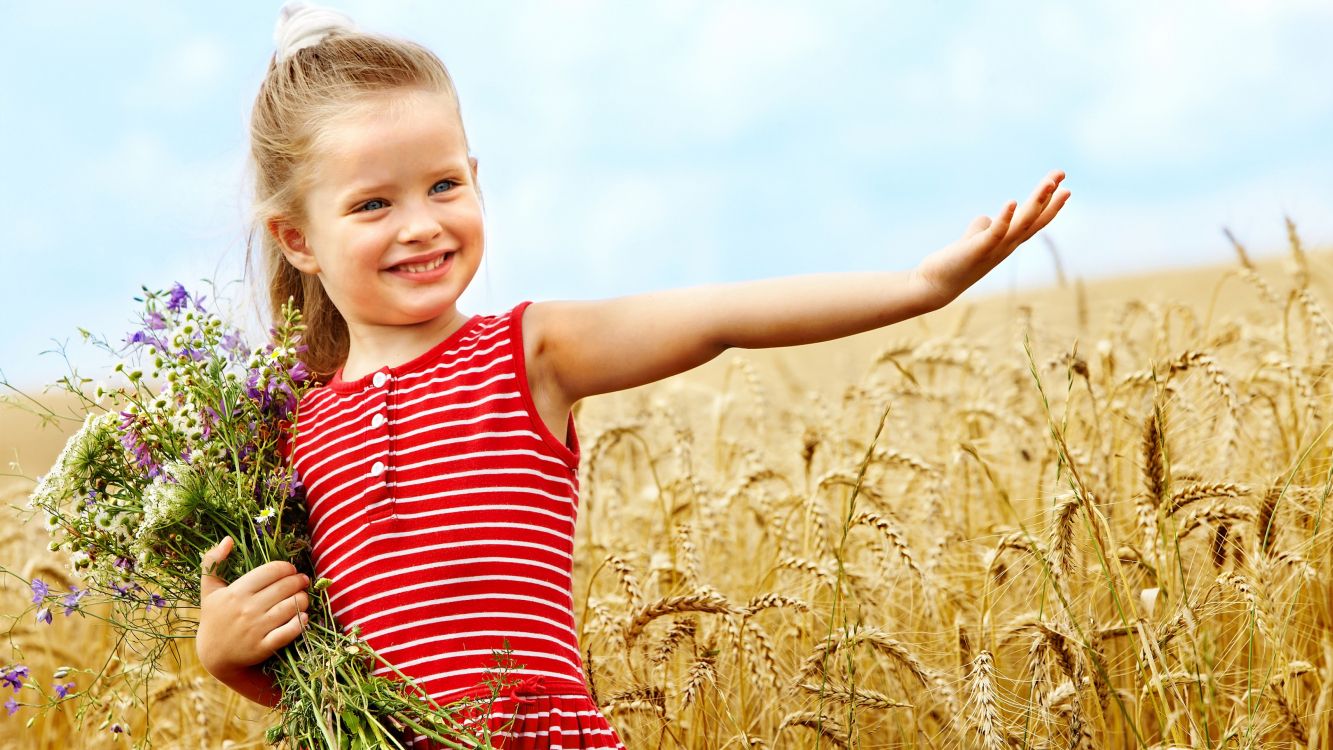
{"x":293,"y":244}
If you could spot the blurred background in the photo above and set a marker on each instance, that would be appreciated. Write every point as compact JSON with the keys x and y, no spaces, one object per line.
{"x":626,"y":147}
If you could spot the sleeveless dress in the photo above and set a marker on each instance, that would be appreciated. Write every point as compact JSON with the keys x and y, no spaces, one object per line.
{"x":443,"y":511}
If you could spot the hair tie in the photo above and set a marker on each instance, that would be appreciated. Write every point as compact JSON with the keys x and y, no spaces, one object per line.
{"x":302,"y":25}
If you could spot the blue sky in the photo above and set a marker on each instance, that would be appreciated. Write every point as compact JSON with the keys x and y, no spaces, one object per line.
{"x":626,"y":147}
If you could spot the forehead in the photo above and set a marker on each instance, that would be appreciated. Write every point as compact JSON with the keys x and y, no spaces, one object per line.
{"x":387,"y":135}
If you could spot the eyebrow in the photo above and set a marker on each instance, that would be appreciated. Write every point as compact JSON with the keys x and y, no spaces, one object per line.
{"x":360,"y":191}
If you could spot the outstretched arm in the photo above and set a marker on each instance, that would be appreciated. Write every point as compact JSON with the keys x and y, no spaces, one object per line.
{"x":585,"y":348}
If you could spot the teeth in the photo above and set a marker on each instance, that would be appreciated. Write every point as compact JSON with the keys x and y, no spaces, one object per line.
{"x":419,"y":267}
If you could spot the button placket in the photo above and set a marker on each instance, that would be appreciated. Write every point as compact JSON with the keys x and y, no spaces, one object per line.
{"x":377,"y":476}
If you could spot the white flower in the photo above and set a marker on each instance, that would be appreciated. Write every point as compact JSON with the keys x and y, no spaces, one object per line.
{"x":266,"y":515}
{"x":79,"y":560}
{"x":74,"y":465}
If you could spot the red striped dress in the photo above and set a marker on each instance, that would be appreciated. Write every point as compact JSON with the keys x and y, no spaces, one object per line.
{"x":443,"y":511}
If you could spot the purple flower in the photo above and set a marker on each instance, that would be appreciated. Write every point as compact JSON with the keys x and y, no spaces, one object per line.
{"x":13,"y":677}
{"x":71,"y":600}
{"x":39,"y":590}
{"x":64,"y":690}
{"x":11,"y":706}
{"x":44,"y":615}
{"x":155,"y":600}
{"x":155,"y":321}
{"x":234,"y":344}
{"x":178,"y":298}
{"x":124,"y":563}
{"x":299,"y":372}
{"x":129,"y":437}
{"x":125,"y":591}
{"x":117,"y":729}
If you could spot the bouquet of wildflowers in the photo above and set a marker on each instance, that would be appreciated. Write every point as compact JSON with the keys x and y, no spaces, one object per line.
{"x":139,"y":493}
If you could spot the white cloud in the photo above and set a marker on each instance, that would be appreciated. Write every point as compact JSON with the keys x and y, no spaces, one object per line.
{"x":1182,"y":83}
{"x":187,"y":76}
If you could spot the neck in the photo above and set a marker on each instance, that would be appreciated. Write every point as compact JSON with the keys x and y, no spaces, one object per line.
{"x":372,"y":346}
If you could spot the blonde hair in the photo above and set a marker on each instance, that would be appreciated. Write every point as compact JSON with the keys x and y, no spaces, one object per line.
{"x":305,"y":92}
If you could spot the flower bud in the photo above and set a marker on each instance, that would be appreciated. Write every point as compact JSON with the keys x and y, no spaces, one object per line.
{"x":322,"y":584}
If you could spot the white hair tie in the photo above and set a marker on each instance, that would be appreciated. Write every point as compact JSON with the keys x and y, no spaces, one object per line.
{"x":302,"y":25}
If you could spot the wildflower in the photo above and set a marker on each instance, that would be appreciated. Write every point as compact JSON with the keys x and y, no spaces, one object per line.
{"x":13,"y":676}
{"x":155,"y":600}
{"x":11,"y":706}
{"x":64,"y":690}
{"x":265,"y":516}
{"x":39,"y":590}
{"x":71,"y":600}
{"x":178,"y":298}
{"x":80,"y":560}
{"x":44,"y":615}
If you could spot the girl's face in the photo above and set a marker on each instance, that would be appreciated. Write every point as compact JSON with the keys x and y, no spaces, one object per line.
{"x":391,"y":185}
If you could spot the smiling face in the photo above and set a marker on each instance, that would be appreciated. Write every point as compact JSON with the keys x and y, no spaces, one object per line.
{"x":391,"y":184}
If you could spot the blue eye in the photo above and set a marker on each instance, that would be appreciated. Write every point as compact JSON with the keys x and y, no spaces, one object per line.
{"x":368,"y":203}
{"x":442,"y":182}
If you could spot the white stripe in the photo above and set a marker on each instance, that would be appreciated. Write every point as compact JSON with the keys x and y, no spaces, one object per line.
{"x":397,"y":572}
{"x":388,"y":457}
{"x":453,"y":600}
{"x":432,"y":376}
{"x":331,"y":571}
{"x":319,"y":539}
{"x":478,"y":473}
{"x":468,"y":633}
{"x":441,"y":582}
{"x":481,"y":454}
{"x":333,"y":566}
{"x":324,"y":395}
{"x":356,"y":466}
{"x":473,"y":652}
{"x":489,"y":616}
{"x":484,"y":672}
{"x":359,"y":446}
{"x":359,"y":411}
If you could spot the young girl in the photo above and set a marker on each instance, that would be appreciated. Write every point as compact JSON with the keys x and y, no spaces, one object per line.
{"x":438,"y":455}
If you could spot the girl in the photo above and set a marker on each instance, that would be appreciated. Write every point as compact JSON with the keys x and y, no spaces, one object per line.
{"x":438,"y":454}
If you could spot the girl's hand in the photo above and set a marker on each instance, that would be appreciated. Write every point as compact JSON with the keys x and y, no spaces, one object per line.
{"x":243,"y":623}
{"x":944,"y":274}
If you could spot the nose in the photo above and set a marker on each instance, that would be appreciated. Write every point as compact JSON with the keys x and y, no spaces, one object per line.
{"x":419,"y":224}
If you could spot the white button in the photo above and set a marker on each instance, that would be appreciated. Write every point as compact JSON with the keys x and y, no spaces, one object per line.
{"x":379,"y":379}
{"x":377,"y":420}
{"x":377,"y":469}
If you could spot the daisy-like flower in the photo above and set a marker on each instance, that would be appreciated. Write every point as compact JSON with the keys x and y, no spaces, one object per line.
{"x":265,"y":516}
{"x":80,"y":560}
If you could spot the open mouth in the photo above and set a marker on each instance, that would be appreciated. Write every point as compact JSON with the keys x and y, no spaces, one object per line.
{"x":426,"y":267}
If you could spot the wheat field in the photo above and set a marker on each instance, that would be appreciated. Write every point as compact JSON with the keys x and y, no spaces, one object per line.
{"x":1089,"y":516}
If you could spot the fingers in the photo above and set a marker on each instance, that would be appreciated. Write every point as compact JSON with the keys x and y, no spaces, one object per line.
{"x":286,"y":633}
{"x":1040,"y":208}
{"x":263,"y":576}
{"x":1038,"y":201}
{"x":978,"y":224}
{"x":208,"y":582}
{"x":280,"y":590}
{"x":286,"y":608}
